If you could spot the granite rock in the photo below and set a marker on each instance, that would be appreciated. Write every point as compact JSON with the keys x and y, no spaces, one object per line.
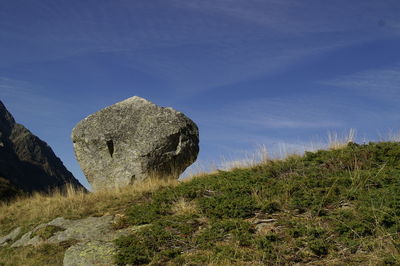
{"x":132,"y":140}
{"x":81,"y":230}
{"x":5,"y":240}
{"x":96,"y":253}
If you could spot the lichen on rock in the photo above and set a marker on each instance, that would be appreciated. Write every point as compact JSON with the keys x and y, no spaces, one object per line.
{"x":96,"y":253}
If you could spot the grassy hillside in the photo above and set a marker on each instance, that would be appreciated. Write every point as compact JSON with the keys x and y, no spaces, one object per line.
{"x":329,"y":207}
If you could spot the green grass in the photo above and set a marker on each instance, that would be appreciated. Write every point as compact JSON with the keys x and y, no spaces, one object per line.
{"x":47,"y":231}
{"x":334,"y":206}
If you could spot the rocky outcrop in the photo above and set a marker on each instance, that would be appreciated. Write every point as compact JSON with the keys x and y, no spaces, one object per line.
{"x":26,"y":161}
{"x":61,"y":230}
{"x":95,"y":252}
{"x":91,"y":239}
{"x":10,"y":237}
{"x":133,"y":140}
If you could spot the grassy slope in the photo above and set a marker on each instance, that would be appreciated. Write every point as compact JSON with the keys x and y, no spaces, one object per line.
{"x":32,"y":211}
{"x":325,"y":208}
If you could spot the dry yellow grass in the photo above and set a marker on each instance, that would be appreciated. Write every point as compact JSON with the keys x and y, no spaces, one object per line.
{"x":44,"y":254}
{"x":251,"y":159}
{"x":184,"y":207}
{"x":41,"y":208}
{"x":336,"y":141}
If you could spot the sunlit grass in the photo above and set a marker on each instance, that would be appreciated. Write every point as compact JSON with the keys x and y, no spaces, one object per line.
{"x":72,"y":203}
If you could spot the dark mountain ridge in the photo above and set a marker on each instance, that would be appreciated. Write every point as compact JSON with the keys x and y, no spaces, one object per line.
{"x":26,"y":161}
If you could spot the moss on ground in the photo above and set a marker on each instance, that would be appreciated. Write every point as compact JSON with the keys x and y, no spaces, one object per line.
{"x":328,"y":207}
{"x":47,"y":231}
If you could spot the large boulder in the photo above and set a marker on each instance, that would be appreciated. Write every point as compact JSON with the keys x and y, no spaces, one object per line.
{"x":132,"y":140}
{"x":27,"y":163}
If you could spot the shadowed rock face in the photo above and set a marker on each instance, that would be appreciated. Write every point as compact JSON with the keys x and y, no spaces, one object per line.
{"x":132,"y":140}
{"x":7,"y":190}
{"x":26,"y":161}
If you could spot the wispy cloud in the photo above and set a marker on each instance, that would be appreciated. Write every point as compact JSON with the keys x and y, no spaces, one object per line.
{"x":222,"y":67}
{"x":304,"y":17}
{"x":277,"y":113}
{"x":231,"y":37}
{"x":379,"y":84}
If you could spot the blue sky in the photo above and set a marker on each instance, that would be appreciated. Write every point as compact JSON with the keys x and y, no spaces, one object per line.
{"x":248,"y":72}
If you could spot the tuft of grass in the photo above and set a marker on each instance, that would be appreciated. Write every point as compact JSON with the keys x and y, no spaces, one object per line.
{"x":184,"y":207}
{"x":47,"y":231}
{"x":337,"y":141}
